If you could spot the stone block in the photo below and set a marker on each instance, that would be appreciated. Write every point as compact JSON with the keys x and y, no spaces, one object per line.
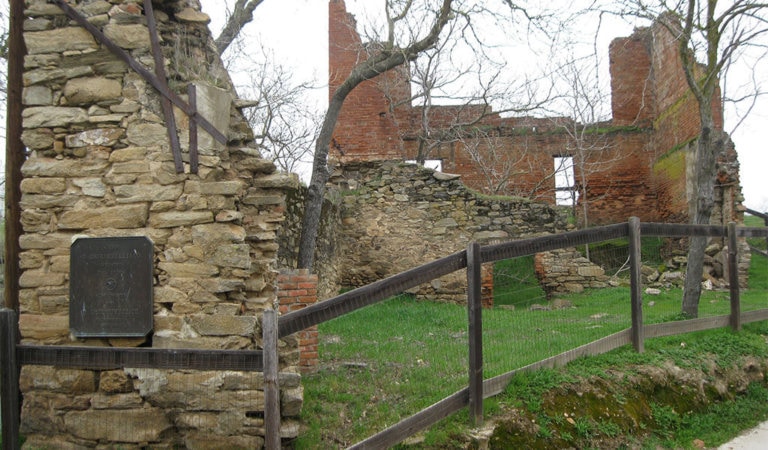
{"x":214,"y":187}
{"x":59,"y":40}
{"x":188,"y":270}
{"x":37,"y":139}
{"x":115,"y":381}
{"x":130,"y":36}
{"x":122,"y":216}
{"x":213,"y":234}
{"x":44,"y":328}
{"x":208,"y":325}
{"x":67,"y":168}
{"x":134,"y":193}
{"x":172,"y":219}
{"x":291,"y":401}
{"x":591,"y":271}
{"x":167,"y":294}
{"x":90,"y":90}
{"x":43,"y":185}
{"x":49,"y":378}
{"x":145,"y":134}
{"x":92,"y":187}
{"x":136,"y":425}
{"x":37,"y":96}
{"x":116,"y":401}
{"x":38,"y":278}
{"x":52,"y":116}
{"x":97,"y":136}
{"x":128,"y":154}
{"x":44,"y":241}
{"x":277,"y":181}
{"x":209,"y":400}
{"x":42,"y":201}
{"x":36,"y":221}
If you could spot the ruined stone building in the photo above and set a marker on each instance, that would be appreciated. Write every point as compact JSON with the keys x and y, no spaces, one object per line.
{"x":101,"y":164}
{"x":639,"y":170}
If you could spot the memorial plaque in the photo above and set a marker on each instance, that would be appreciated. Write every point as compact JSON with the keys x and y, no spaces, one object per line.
{"x":110,"y":289}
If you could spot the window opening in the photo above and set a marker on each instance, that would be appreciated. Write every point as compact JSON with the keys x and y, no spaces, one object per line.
{"x":565,"y":181}
{"x":434,"y":164}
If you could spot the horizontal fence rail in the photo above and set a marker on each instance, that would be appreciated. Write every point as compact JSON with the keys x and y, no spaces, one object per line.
{"x":107,"y":358}
{"x":525,"y":247}
{"x":370,"y":294}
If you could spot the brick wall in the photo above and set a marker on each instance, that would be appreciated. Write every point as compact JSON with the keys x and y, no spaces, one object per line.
{"x":297,"y":289}
{"x":653,"y":114}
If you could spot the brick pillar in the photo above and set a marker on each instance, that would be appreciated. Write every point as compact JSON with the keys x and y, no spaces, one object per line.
{"x":297,"y":289}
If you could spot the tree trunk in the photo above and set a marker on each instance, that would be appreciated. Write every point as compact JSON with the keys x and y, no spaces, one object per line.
{"x":313,"y":206}
{"x":702,"y":201}
{"x":387,"y":59}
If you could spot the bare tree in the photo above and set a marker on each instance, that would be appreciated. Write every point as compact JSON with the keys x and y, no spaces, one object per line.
{"x":458,"y":103}
{"x":285,"y":124}
{"x":403,"y":43}
{"x":714,"y":33}
{"x":239,"y":17}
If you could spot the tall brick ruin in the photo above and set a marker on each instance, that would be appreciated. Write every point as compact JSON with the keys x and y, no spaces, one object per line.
{"x":100,"y":164}
{"x":640,"y":169}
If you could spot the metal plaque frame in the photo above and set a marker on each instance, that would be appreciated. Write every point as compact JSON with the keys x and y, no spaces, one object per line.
{"x":110,"y":289}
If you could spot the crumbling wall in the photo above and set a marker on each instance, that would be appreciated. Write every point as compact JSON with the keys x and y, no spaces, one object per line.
{"x":100,"y":165}
{"x":627,"y":170}
{"x":397,"y":216}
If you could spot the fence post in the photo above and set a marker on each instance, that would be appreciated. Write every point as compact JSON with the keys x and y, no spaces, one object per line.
{"x":9,"y":379}
{"x":733,"y":277}
{"x":635,"y":264}
{"x":475,"y":317}
{"x":271,"y":386}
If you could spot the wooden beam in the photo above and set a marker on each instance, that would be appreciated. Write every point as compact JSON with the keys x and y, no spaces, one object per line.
{"x":9,"y":379}
{"x":165,"y":102}
{"x":115,"y":358}
{"x":475,"y":333}
{"x":733,"y":277}
{"x":14,"y":154}
{"x":636,"y":285}
{"x":271,"y":381}
{"x":194,"y":159}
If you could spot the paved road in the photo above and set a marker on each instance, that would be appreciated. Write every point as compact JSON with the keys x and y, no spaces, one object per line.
{"x":754,"y":439}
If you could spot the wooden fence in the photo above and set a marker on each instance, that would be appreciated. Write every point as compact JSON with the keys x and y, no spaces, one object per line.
{"x":13,"y":355}
{"x":471,"y":260}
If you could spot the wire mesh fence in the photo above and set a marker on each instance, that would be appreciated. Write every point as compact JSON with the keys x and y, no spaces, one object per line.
{"x":403,"y":355}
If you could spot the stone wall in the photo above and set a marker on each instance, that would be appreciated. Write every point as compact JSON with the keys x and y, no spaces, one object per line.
{"x":397,"y":216}
{"x":100,"y":165}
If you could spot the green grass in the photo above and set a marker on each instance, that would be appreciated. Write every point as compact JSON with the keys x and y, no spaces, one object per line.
{"x":383,"y":363}
{"x":754,"y":221}
{"x":515,"y":283}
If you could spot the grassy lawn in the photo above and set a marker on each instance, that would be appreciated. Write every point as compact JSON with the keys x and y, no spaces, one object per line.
{"x":386,"y":362}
